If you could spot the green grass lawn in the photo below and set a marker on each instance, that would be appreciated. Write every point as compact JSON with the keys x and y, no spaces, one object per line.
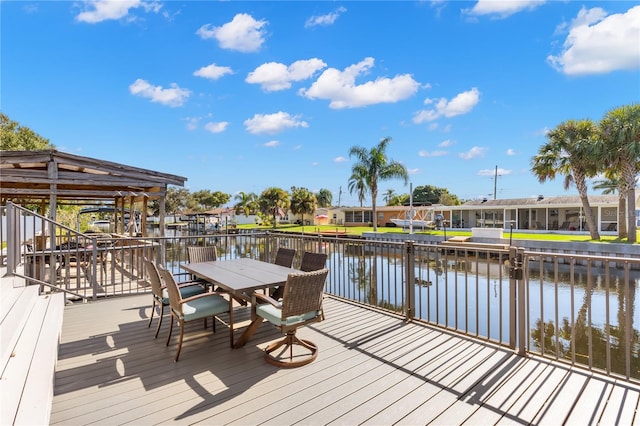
{"x":359,"y":230}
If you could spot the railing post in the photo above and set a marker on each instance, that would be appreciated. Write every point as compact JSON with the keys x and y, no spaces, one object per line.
{"x":94,"y":268}
{"x":12,"y":240}
{"x":521,"y":306}
{"x":517,"y":333}
{"x":267,"y":247}
{"x":410,"y":302}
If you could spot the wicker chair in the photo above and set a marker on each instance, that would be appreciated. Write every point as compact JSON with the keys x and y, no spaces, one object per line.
{"x":301,"y":304}
{"x":200,"y":306}
{"x":284,"y":257}
{"x":161,"y":295}
{"x":313,"y":261}
{"x":198,"y":254}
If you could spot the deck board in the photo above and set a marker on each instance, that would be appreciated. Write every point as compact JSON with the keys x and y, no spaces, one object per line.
{"x":372,"y":368}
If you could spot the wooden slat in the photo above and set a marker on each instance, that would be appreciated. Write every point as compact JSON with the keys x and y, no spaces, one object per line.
{"x":372,"y":368}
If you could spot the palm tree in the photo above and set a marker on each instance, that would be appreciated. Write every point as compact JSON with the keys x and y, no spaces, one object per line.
{"x":609,"y":186}
{"x":302,"y":201}
{"x":620,"y":133}
{"x":324,"y":197}
{"x":571,"y":151}
{"x":247,"y":203}
{"x":373,"y":166}
{"x":388,"y":195}
{"x":357,"y":183}
{"x":274,"y":201}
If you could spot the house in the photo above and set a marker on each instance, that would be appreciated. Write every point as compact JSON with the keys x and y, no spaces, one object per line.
{"x":533,"y":213}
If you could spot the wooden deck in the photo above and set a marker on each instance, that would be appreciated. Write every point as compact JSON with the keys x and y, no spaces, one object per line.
{"x":372,"y":369}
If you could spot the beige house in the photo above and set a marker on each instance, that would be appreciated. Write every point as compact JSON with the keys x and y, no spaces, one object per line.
{"x":535,"y":213}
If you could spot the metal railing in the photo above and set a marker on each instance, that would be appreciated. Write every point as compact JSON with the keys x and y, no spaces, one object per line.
{"x":572,"y":308}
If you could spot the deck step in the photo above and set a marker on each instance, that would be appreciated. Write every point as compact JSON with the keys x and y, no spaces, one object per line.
{"x":31,"y":327}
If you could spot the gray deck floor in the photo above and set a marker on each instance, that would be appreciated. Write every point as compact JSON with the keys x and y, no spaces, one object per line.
{"x":372,"y":369}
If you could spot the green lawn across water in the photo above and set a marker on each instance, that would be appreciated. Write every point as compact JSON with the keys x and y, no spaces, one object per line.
{"x":357,"y":231}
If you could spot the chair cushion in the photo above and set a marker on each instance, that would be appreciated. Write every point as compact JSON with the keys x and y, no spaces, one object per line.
{"x":185,"y":292}
{"x":205,"y":307}
{"x":274,"y":315}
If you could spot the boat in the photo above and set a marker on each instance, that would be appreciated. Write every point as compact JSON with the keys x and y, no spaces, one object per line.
{"x":405,"y":223}
{"x":421,"y":218}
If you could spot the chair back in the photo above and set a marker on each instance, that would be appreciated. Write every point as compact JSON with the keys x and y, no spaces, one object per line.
{"x":284,"y":257}
{"x":175,"y":299}
{"x":154,"y":278}
{"x":313,"y":261}
{"x":202,"y":254}
{"x":303,"y":292}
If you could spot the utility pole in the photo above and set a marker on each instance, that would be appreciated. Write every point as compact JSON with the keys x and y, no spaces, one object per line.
{"x":495,"y":184}
{"x":339,"y":196}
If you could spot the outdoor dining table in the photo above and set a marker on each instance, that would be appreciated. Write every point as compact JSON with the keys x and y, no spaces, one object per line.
{"x":240,"y":278}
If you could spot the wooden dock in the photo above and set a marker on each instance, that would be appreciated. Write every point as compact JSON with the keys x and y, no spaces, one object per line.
{"x":372,"y":369}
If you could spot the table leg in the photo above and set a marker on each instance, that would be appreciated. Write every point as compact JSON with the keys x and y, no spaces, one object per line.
{"x":244,"y":338}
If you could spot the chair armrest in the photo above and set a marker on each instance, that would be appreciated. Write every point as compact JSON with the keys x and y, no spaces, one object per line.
{"x":190,"y":283}
{"x":258,"y":297}
{"x":200,"y":296}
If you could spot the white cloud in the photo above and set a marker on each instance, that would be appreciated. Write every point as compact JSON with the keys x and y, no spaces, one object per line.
{"x":273,"y":123}
{"x":432,"y":153}
{"x":340,"y":159}
{"x":243,"y":33}
{"x":325,"y":20}
{"x":274,"y":76}
{"x":218,"y":127}
{"x":315,"y":164}
{"x":462,"y":103}
{"x":192,"y":122}
{"x":413,"y":171}
{"x":213,"y":72}
{"x":474,"y":152}
{"x":501,"y":8}
{"x":103,"y":10}
{"x":173,"y":97}
{"x":447,"y":143}
{"x":272,"y":144}
{"x":598,"y":43}
{"x":340,"y":88}
{"x":492,"y":172}
{"x":511,"y":151}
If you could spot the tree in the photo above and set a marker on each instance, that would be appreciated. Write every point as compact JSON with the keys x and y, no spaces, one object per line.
{"x":571,"y":150}
{"x":176,"y":200}
{"x":373,"y":166}
{"x":620,"y":133}
{"x":388,"y":195}
{"x":399,"y":200}
{"x":609,"y":186}
{"x":14,"y":137}
{"x":274,"y":201}
{"x":447,"y":199}
{"x":357,"y":183}
{"x":302,"y":202}
{"x":247,"y":203}
{"x":324,"y":197}
{"x":208,"y":200}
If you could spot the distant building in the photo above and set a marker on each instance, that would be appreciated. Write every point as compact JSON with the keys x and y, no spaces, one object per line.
{"x":535,"y":213}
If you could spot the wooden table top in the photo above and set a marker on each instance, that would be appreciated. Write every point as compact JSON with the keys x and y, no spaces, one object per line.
{"x":240,"y":275}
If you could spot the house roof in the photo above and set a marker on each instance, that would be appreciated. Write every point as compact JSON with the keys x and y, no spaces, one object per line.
{"x":36,"y":175}
{"x":541,"y":201}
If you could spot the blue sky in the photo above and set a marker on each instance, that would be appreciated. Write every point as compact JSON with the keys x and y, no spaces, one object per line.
{"x":240,"y":96}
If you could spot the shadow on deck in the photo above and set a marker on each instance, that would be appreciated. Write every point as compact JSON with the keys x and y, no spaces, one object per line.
{"x":372,"y":368}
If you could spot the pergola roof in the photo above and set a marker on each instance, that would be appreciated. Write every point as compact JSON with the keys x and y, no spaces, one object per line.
{"x":38,"y":175}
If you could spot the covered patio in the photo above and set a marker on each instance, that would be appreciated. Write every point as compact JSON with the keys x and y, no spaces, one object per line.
{"x":373,"y":368}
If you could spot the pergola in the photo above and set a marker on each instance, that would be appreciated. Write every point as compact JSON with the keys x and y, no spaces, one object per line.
{"x":51,"y":177}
